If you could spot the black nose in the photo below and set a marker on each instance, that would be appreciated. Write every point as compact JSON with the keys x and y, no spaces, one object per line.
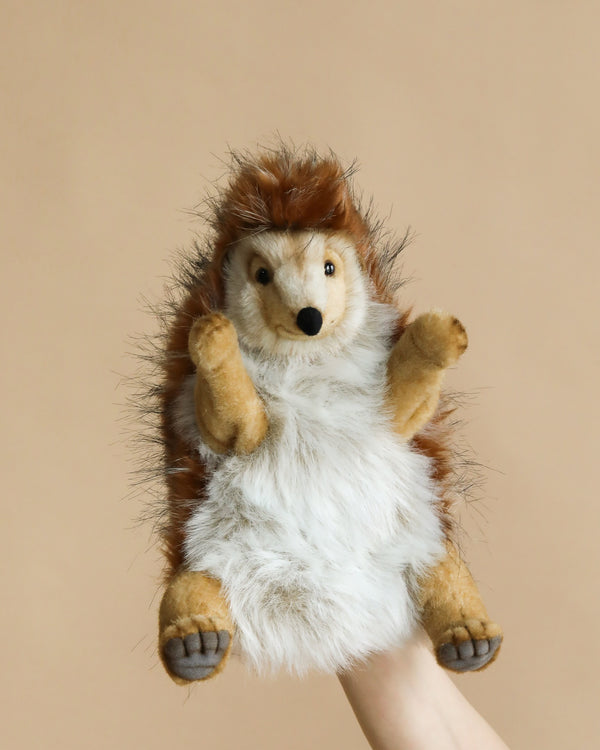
{"x":309,"y":321}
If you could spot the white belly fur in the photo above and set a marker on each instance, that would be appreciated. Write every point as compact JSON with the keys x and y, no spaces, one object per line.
{"x":316,"y":534}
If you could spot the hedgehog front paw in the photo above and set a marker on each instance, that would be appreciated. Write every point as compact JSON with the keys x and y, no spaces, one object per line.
{"x":440,"y":338}
{"x":212,"y":341}
{"x":194,"y":648}
{"x":469,"y":645}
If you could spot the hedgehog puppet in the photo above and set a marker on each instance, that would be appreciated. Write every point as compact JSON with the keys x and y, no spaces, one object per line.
{"x":306,"y":455}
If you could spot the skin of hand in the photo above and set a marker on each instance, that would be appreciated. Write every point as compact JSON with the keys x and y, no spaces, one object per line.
{"x":404,"y":701}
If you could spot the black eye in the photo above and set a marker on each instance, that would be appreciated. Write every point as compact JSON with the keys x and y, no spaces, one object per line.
{"x":329,"y":268}
{"x":263,"y":276}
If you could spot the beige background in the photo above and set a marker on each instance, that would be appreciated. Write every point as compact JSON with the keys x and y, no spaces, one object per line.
{"x":478,"y":124}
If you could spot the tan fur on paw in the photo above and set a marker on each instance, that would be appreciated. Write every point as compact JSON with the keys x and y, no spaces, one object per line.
{"x":440,"y":338}
{"x":212,"y":341}
{"x":195,"y":628}
{"x":469,"y":646}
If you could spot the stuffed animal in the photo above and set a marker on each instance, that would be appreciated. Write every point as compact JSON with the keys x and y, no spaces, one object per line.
{"x":307,"y":457}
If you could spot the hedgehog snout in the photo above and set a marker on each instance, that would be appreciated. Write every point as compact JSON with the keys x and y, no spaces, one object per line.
{"x":309,"y":321}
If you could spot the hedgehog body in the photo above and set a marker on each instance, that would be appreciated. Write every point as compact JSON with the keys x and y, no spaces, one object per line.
{"x":319,"y":535}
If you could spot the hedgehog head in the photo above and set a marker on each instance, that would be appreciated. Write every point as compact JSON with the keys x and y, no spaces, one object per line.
{"x":292,"y":255}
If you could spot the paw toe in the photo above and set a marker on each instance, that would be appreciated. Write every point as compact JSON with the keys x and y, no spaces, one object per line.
{"x":466,"y":650}
{"x":459,"y":333}
{"x":224,"y":640}
{"x":192,"y":643}
{"x":174,"y":649}
{"x":447,"y":653}
{"x":210,"y":642}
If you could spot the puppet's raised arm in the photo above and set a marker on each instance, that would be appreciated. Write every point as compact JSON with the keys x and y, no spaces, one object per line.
{"x":229,"y":412}
{"x":430,"y":344}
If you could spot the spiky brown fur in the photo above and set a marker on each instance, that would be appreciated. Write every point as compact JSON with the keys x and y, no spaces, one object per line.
{"x":290,"y":190}
{"x":281,"y":189}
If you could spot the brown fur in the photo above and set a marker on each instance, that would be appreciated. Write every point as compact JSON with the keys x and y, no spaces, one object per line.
{"x":275,"y":190}
{"x":285,"y":191}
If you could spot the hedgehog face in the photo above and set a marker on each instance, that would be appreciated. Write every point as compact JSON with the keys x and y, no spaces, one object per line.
{"x":295,"y":293}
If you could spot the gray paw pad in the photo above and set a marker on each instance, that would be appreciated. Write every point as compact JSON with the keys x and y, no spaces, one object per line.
{"x":196,"y":656}
{"x":468,"y":656}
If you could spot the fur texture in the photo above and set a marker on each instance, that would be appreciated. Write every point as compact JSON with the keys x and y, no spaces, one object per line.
{"x":318,"y":518}
{"x":318,"y":535}
{"x":283,"y":189}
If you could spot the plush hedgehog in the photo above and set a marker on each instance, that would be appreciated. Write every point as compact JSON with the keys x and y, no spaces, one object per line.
{"x":306,"y":454}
